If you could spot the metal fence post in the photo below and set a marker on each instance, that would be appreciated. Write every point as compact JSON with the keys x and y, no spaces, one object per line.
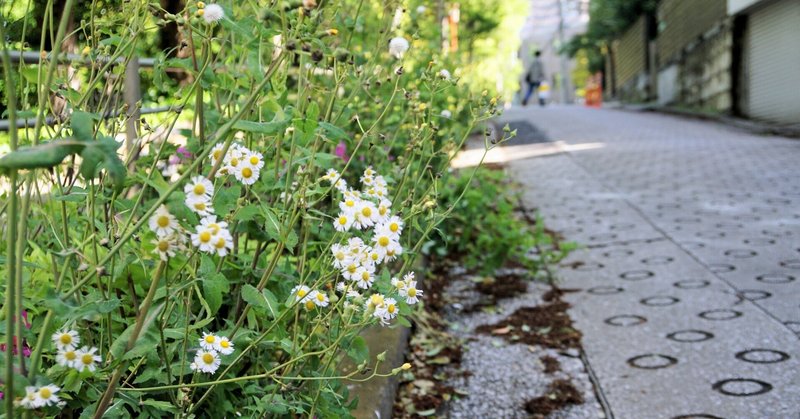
{"x":133,"y":95}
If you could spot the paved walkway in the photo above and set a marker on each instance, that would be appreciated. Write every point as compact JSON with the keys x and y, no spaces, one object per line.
{"x":690,"y":272}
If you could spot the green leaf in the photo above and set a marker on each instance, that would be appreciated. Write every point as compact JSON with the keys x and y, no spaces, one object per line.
{"x":273,"y":226}
{"x":248,"y":212}
{"x":333,"y":132}
{"x":268,"y":128}
{"x":358,"y":350}
{"x":82,"y":124}
{"x":214,"y":286}
{"x":40,"y":156}
{"x":264,"y":299}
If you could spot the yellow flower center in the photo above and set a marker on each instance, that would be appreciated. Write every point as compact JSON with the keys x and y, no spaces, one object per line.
{"x":366,"y":211}
{"x":210,"y":339}
{"x":340,"y":256}
{"x":383,"y":241}
{"x":205,"y":237}
{"x":350,"y":203}
{"x":309,"y":305}
{"x":352,"y":269}
{"x":66,"y":339}
{"x":247,"y":173}
{"x":208,"y":358}
{"x":382,"y":210}
{"x":400,"y":284}
{"x":390,"y":253}
{"x":301,"y":293}
{"x":217,"y":154}
{"x":365,"y":276}
{"x":163,"y":245}
{"x":199,"y":189}
{"x":254,"y":160}
{"x":391,"y":308}
{"x":342,"y":220}
{"x":70,"y":355}
{"x":376,"y":300}
{"x":163,"y":221}
{"x":374,"y":256}
{"x":412,"y":292}
{"x":45,"y":393}
{"x":225,"y":344}
{"x":320,"y":297}
{"x":214,"y":227}
{"x":87,"y":359}
{"x":220,"y":243}
{"x":234,"y":162}
{"x":394,"y":227}
{"x":200,"y":206}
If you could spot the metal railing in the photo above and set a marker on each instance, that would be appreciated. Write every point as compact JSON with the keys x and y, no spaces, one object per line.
{"x":132,"y":93}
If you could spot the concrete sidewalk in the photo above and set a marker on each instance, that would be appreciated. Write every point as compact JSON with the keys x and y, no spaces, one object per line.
{"x":690,"y":301}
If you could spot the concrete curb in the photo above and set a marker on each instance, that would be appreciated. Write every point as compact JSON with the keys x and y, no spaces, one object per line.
{"x":755,"y":127}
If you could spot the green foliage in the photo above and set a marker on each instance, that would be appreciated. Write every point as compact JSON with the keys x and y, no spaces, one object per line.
{"x":608,"y":19}
{"x":485,"y":231}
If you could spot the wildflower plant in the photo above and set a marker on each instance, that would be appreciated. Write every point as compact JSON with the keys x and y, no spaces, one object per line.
{"x":224,"y":258}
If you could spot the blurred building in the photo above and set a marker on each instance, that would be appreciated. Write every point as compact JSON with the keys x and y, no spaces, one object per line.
{"x":739,"y":57}
{"x":550,"y":23}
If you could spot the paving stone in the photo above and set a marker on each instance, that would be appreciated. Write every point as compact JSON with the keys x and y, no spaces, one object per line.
{"x":689,"y":279}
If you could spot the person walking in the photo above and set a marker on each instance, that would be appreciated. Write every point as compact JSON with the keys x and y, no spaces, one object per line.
{"x":534,"y":76}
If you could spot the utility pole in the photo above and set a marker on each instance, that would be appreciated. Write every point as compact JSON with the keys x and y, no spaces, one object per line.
{"x":565,"y":89}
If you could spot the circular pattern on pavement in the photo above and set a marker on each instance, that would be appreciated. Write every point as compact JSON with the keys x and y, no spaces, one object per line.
{"x":625,"y":320}
{"x":652,"y":361}
{"x":791,"y":264}
{"x":690,"y":336}
{"x":762,"y":356}
{"x":588,"y":266}
{"x":618,"y":253}
{"x":775,"y":278}
{"x":754,"y":295}
{"x":605,"y":290}
{"x":720,"y":314}
{"x":637,"y":275}
{"x":721,"y":268}
{"x":692,"y":284}
{"x":742,"y":387}
{"x":659,"y":301}
{"x":740,"y":253}
{"x":657,"y":260}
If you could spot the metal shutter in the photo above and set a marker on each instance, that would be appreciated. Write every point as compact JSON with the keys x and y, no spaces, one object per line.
{"x":773,"y":61}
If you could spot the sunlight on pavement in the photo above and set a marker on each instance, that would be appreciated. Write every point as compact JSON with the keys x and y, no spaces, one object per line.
{"x":471,"y":158}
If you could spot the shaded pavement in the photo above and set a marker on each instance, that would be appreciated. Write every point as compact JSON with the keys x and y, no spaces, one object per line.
{"x":690,"y":267}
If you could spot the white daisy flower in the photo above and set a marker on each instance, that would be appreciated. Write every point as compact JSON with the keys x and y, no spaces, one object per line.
{"x":355,"y":245}
{"x":340,"y":185}
{"x":162,"y":222}
{"x":203,"y":239}
{"x":398,"y":46}
{"x":384,"y":241}
{"x":353,"y":294}
{"x":201,"y":205}
{"x":246,"y":174}
{"x":393,"y":251}
{"x":340,"y":286}
{"x":86,"y":359}
{"x":349,"y":271}
{"x":206,"y":361}
{"x":254,"y":159}
{"x":167,"y":246}
{"x":375,"y":300}
{"x":398,"y":284}
{"x":300,"y":292}
{"x":386,"y":311}
{"x":369,"y":171}
{"x":364,"y":277}
{"x":66,"y":339}
{"x":31,"y":399}
{"x":374,"y":257}
{"x":199,"y":187}
{"x":213,"y":13}
{"x":384,"y":210}
{"x":394,"y":225}
{"x":349,"y":205}
{"x":210,"y":222}
{"x":208,"y":341}
{"x":340,"y":256}
{"x":332,"y":175}
{"x":216,"y":153}
{"x":66,"y":358}
{"x":320,"y":299}
{"x":411,"y":292}
{"x":351,"y":194}
{"x":46,"y":395}
{"x":343,"y":222}
{"x":223,"y":242}
{"x":224,"y":345}
{"x":366,"y":215}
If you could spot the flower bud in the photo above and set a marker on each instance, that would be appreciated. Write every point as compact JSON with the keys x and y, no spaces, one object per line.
{"x":381,"y":356}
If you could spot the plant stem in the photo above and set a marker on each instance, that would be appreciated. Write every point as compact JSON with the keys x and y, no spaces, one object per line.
{"x":102,"y":405}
